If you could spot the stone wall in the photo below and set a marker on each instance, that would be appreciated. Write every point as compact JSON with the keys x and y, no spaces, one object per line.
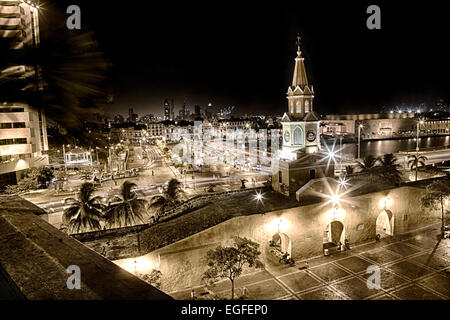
{"x":182,"y":266}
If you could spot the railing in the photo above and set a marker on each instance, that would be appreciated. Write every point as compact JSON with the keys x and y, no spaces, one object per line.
{"x":439,"y":148}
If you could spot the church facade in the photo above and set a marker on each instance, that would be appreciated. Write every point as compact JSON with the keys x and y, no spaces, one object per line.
{"x":301,"y":155}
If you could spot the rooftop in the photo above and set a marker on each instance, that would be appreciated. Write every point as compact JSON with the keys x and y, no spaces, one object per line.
{"x":34,"y":258}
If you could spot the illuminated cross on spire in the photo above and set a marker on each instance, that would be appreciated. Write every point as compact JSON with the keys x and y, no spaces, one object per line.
{"x":299,"y":52}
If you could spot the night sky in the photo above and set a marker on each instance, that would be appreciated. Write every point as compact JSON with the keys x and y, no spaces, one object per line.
{"x":229,"y":53}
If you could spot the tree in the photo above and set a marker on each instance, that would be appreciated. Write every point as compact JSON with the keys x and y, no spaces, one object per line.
{"x":159,"y":204}
{"x":389,"y":168}
{"x":35,"y":178}
{"x":172,"y":196}
{"x":228,"y":262}
{"x":174,"y":193}
{"x":84,"y":213}
{"x":130,"y":209}
{"x":45,"y":175}
{"x":437,"y":193}
{"x":416,"y":161}
{"x":368,"y":164}
{"x":349,"y":169}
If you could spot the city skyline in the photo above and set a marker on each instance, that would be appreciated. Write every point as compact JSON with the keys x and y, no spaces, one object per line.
{"x":290,"y":152}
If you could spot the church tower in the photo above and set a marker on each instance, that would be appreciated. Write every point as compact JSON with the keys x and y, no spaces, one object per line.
{"x":301,"y":158}
{"x":300,"y":123}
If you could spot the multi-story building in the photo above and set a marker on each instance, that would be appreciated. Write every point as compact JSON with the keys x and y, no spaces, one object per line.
{"x":146,"y":119}
{"x":167,"y":113}
{"x":133,"y":133}
{"x":132,"y":117}
{"x":383,"y":125}
{"x":23,"y":138}
{"x":155,"y":130}
{"x":23,"y":130}
{"x":197,"y":111}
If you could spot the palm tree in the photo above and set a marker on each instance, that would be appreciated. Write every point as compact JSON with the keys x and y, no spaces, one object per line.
{"x":172,"y":196}
{"x":416,"y":161}
{"x":368,"y":164}
{"x":349,"y":169}
{"x":174,"y":193}
{"x":84,"y":213}
{"x":389,"y":168}
{"x":128,"y":211}
{"x":159,"y":204}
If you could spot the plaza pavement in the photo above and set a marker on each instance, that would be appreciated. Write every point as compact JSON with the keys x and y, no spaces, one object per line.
{"x":414,"y":266}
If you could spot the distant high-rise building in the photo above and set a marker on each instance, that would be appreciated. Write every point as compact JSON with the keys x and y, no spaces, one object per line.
{"x":172,"y":110}
{"x":167,"y":110}
{"x":132,"y":117}
{"x":208,"y":111}
{"x":183,"y":113}
{"x":197,"y":111}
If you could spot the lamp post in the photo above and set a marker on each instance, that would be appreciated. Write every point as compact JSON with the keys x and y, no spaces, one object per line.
{"x":417,"y":145}
{"x":359,"y":140}
{"x":418,"y":133}
{"x":64,"y":155}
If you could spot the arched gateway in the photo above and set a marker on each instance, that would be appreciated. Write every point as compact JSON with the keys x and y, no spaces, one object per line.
{"x":282,"y":242}
{"x":334,"y":234}
{"x":385,"y":224}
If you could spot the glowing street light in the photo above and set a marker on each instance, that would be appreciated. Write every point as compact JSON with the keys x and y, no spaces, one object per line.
{"x":385,"y":202}
{"x":259,"y":197}
{"x":331,"y":154}
{"x":343,"y":182}
{"x":335,"y":198}
{"x":418,"y":133}
{"x":359,"y":140}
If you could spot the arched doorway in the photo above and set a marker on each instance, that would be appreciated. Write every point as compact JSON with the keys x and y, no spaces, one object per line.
{"x":281,"y":242}
{"x":385,"y":224}
{"x":334,"y":234}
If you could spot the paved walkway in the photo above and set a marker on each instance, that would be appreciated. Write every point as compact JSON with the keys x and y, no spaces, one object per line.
{"x":413,"y":267}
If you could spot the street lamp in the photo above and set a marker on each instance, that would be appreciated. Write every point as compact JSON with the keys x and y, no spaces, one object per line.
{"x":418,"y":133}
{"x":259,"y":197}
{"x":359,"y":140}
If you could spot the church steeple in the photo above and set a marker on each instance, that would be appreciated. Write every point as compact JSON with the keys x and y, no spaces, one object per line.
{"x":299,"y":78}
{"x":300,"y":95}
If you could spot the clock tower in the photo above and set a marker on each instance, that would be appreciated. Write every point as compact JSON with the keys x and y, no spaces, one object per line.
{"x":300,"y":123}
